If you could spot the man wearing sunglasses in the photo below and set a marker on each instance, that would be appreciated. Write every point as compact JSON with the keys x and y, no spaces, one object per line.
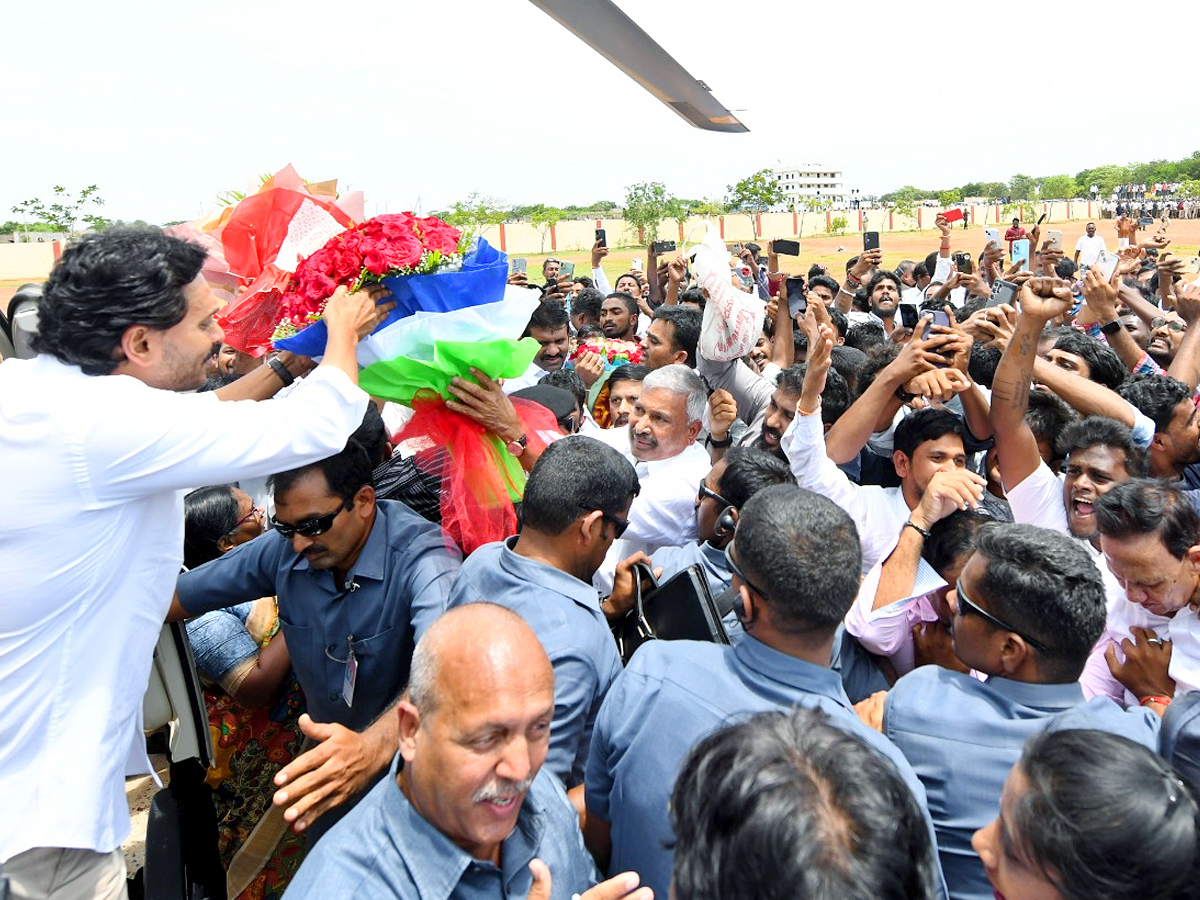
{"x":99,"y":442}
{"x":576,"y":504}
{"x":358,"y":582}
{"x":795,"y":562}
{"x":1027,"y":608}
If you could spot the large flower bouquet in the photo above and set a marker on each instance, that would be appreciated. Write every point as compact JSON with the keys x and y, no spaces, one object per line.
{"x":612,"y":351}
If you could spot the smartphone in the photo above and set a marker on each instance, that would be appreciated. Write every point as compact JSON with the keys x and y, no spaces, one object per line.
{"x":736,"y":248}
{"x":962,"y":262}
{"x":1106,"y":263}
{"x":797,"y":302}
{"x":1146,"y":221}
{"x":661,"y":247}
{"x":909,"y":315}
{"x":566,"y":270}
{"x":1002,"y":292}
{"x":870,"y":240}
{"x":786,"y":248}
{"x":940,"y":317}
{"x":953,"y":215}
{"x":1054,"y":239}
{"x":518,"y":264}
{"x":1042,"y":218}
{"x":601,"y":237}
{"x":1020,"y":253}
{"x":992,"y":236}
{"x":1192,"y":266}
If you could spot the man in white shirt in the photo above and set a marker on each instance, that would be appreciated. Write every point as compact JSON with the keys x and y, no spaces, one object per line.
{"x":1089,"y":247}
{"x":669,"y":463}
{"x":91,"y":530}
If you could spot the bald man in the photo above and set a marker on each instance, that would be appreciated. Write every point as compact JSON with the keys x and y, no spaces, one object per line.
{"x":466,"y":812}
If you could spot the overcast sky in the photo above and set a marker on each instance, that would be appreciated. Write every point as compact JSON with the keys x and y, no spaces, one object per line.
{"x":166,"y":105}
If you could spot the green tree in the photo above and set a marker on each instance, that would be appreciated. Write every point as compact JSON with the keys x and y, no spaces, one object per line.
{"x":543,"y":218}
{"x":475,"y":213}
{"x":755,"y":194}
{"x":1106,"y":178}
{"x":837,"y":224}
{"x":1058,"y":187}
{"x":646,"y":205}
{"x":709,"y":207}
{"x":947,"y":197}
{"x":1022,"y":187}
{"x":66,"y":211}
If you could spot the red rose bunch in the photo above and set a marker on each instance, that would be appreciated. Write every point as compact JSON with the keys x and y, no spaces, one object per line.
{"x":393,"y":244}
{"x":612,"y":351}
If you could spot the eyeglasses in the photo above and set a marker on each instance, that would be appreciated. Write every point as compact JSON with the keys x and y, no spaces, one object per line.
{"x":703,"y":491}
{"x":1172,"y":325}
{"x":255,"y":513}
{"x":733,"y":567}
{"x":619,"y":525}
{"x":966,"y":605}
{"x":309,"y":527}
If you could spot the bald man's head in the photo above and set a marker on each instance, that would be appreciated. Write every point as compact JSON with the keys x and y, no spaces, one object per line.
{"x":472,"y":645}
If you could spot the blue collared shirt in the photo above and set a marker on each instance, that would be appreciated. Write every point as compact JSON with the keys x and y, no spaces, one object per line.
{"x":1181,"y":736}
{"x":565,"y":614}
{"x":962,"y":737}
{"x":671,"y":696}
{"x":384,"y":848}
{"x":710,"y":559}
{"x":403,"y":576}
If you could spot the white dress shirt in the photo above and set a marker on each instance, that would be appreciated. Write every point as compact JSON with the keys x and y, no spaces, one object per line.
{"x":91,"y":541}
{"x":878,"y":513}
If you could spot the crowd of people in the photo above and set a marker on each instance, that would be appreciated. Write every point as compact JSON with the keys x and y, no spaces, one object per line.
{"x":946,"y":515}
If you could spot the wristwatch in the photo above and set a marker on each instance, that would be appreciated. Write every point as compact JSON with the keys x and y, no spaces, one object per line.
{"x":517,"y":447}
{"x":725,"y":442}
{"x":1111,"y":327}
{"x":281,"y":370}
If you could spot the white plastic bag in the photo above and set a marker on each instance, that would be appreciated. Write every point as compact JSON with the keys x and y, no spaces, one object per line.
{"x":732,"y":318}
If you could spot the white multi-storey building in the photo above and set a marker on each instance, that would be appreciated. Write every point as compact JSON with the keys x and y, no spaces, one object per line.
{"x":810,"y":181}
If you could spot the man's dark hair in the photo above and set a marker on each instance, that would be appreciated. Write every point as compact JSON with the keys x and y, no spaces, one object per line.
{"x":344,"y":472}
{"x":1044,"y":585}
{"x":587,"y":303}
{"x":835,"y":399}
{"x":1145,"y":506}
{"x":952,"y":537}
{"x":848,"y":362}
{"x":585,"y":281}
{"x":628,"y":372}
{"x":748,"y":471}
{"x":629,"y":300}
{"x":568,"y":380}
{"x":693,"y":295}
{"x":920,"y":270}
{"x":1104,"y":366}
{"x":841,"y":323}
{"x":104,"y":284}
{"x":983,"y":363}
{"x":863,"y":335}
{"x":1065,"y":268}
{"x":1048,"y":415}
{"x":1103,"y":816}
{"x":826,"y":281}
{"x":550,"y":315}
{"x":881,"y":276}
{"x":803,"y":550}
{"x":931,"y":261}
{"x":925,"y":425}
{"x":815,"y":270}
{"x":587,"y":332}
{"x":373,"y":436}
{"x":685,"y":330}
{"x":787,"y":806}
{"x":1156,"y":397}
{"x":575,"y":476}
{"x":209,"y":513}
{"x":1098,"y":431}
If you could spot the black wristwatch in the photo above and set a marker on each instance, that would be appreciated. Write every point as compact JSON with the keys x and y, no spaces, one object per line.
{"x":281,"y":370}
{"x":1111,"y":327}
{"x":713,"y":442}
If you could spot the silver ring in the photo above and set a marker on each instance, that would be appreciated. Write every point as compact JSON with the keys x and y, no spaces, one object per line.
{"x":1154,"y":640}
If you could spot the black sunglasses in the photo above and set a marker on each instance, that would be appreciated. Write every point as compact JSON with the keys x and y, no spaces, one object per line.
{"x":966,"y":605}
{"x":313,"y":527}
{"x":619,"y":525}
{"x":733,"y":567}
{"x":704,"y":491}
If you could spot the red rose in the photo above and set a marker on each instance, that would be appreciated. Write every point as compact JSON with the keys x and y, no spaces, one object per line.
{"x":376,"y":262}
{"x":403,"y":251}
{"x":437,"y":235}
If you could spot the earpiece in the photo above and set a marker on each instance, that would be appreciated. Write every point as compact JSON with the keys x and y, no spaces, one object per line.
{"x":726,"y":523}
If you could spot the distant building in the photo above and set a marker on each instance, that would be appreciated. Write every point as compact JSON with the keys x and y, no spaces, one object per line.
{"x":810,"y":181}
